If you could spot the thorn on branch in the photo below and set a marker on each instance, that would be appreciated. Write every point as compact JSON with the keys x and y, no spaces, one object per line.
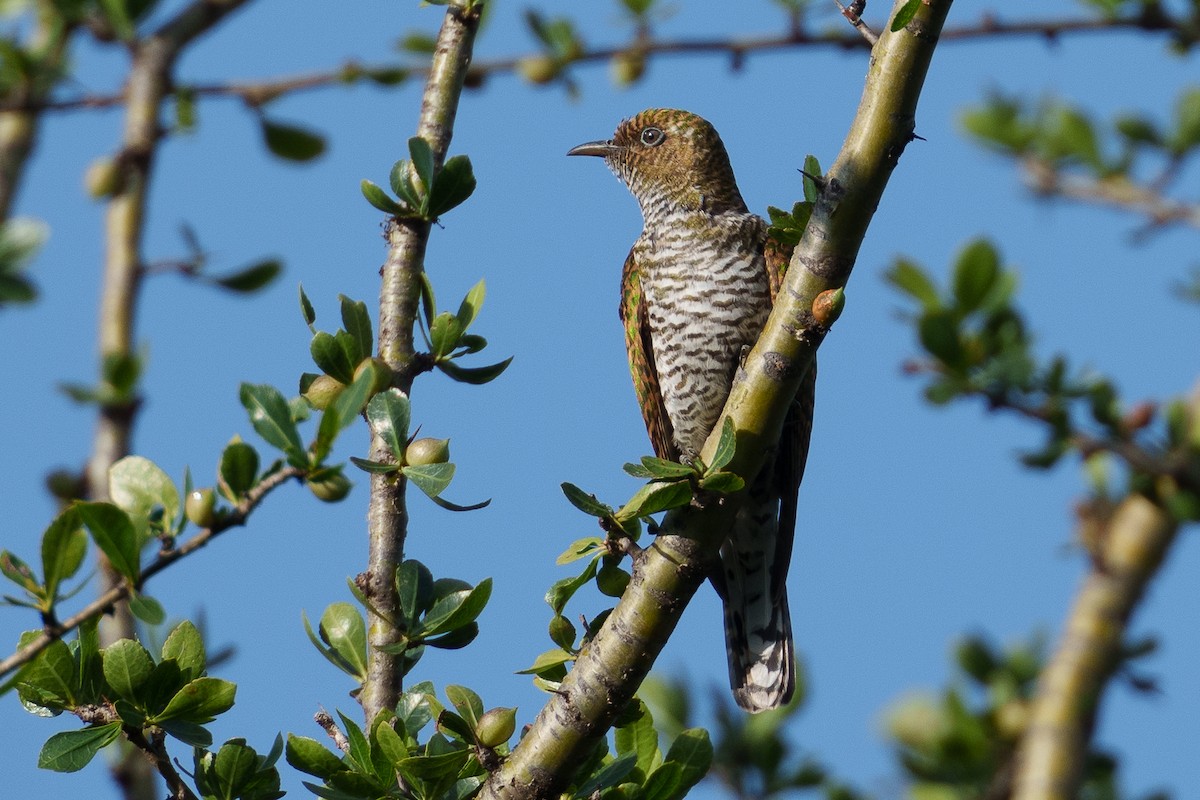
{"x":853,"y":15}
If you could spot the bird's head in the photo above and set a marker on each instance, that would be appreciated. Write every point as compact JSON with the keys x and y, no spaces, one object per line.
{"x":671,"y":160}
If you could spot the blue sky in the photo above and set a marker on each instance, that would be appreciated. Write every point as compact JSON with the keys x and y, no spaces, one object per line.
{"x":917,"y":525}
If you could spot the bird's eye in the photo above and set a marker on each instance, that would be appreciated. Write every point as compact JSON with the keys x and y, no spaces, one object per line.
{"x":652,"y":137}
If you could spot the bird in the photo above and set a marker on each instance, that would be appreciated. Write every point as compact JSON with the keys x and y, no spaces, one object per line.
{"x":696,"y":291}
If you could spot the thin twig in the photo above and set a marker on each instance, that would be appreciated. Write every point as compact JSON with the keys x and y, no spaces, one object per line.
{"x":325,"y":720}
{"x":155,"y":749}
{"x":258,"y":92}
{"x":852,"y":16}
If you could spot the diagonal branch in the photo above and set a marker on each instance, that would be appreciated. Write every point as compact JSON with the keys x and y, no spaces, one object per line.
{"x":614,"y":663}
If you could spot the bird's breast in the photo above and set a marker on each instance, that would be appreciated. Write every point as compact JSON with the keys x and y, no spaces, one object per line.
{"x":707,"y":298}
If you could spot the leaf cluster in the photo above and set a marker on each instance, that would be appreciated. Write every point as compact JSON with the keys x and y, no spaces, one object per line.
{"x":439,"y":613}
{"x":446,"y":335}
{"x":449,"y":764}
{"x":637,"y":768}
{"x":1062,"y":136}
{"x":787,"y":228}
{"x":424,"y":192}
{"x":956,"y":744}
{"x":121,"y":689}
{"x":977,"y":345}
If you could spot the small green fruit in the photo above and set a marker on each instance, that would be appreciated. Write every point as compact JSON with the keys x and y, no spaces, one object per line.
{"x":538,"y":69}
{"x":427,"y":451}
{"x":496,"y":727}
{"x":330,"y":488}
{"x":103,"y":178}
{"x":200,"y":507}
{"x":627,"y":67}
{"x":323,"y":391}
{"x":382,"y":372}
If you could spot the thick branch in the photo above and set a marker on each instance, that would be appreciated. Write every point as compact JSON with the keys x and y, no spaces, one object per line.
{"x":1052,"y":753}
{"x":155,"y":750}
{"x":611,"y":667}
{"x":387,"y":516}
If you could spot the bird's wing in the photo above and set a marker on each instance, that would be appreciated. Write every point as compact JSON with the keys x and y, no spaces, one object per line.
{"x":634,"y":316}
{"x":797,"y":429}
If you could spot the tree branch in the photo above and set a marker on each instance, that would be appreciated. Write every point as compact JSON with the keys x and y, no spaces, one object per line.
{"x":258,"y":92}
{"x":1117,"y":192}
{"x":1133,"y":546}
{"x":103,"y":604}
{"x":387,"y":515}
{"x":614,"y":663}
{"x":155,"y":749}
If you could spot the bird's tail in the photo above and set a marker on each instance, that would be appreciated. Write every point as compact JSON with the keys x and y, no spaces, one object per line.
{"x":758,"y":627}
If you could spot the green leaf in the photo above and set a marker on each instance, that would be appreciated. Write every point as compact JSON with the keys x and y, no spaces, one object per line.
{"x":610,"y":775}
{"x":127,"y":666}
{"x":611,"y":580}
{"x":547,"y":662}
{"x":580,"y":548}
{"x":185,"y":647}
{"x":53,"y":675}
{"x":357,"y":323}
{"x":388,"y":413}
{"x":812,"y":172}
{"x":343,"y":629}
{"x":722,"y":483}
{"x":239,"y":468}
{"x":147,"y":609}
{"x":343,"y":411}
{"x":661,"y":468}
{"x":375,"y":467}
{"x":906,"y":276}
{"x":454,"y":184}
{"x":905,"y":14}
{"x":200,"y":701}
{"x":474,"y":376}
{"x":939,"y":335}
{"x":331,"y":357}
{"x":414,"y":589}
{"x":116,"y":13}
{"x":379,"y":198}
{"x":291,"y":142}
{"x":975,"y":273}
{"x":422,"y":161}
{"x":19,"y":572}
{"x":1187,"y":121}
{"x":272,"y":419}
{"x":561,"y":591}
{"x":454,"y":726}
{"x":432,"y":479}
{"x":400,"y":179}
{"x":306,"y":308}
{"x":467,"y":702}
{"x":138,"y":486}
{"x":693,"y":752}
{"x":64,"y":545}
{"x":455,"y":639}
{"x":71,"y":751}
{"x":655,"y":497}
{"x":635,"y":733}
{"x":252,"y":278}
{"x":310,"y":756}
{"x":664,"y":783}
{"x":114,"y":534}
{"x":468,"y":309}
{"x":725,"y":447}
{"x":188,"y":732}
{"x":587,"y":503}
{"x":457,"y":609}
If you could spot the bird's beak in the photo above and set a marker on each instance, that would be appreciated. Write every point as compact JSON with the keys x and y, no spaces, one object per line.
{"x":601,"y":148}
